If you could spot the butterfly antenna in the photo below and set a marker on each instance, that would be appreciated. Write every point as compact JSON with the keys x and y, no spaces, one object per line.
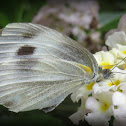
{"x":111,"y":81}
{"x":115,"y":66}
{"x":118,"y":63}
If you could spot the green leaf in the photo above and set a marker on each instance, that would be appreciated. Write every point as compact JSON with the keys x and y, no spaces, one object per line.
{"x":30,"y":9}
{"x":3,"y":20}
{"x":107,"y":17}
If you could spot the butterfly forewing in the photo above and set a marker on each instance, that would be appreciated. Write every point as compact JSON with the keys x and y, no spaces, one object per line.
{"x":39,"y":67}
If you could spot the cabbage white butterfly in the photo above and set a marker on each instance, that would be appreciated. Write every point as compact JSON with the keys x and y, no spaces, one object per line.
{"x":40,"y":67}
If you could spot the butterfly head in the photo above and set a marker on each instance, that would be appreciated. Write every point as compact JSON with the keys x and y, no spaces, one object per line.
{"x":103,"y":74}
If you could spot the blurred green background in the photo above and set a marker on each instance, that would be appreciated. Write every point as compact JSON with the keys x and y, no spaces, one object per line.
{"x":23,"y":11}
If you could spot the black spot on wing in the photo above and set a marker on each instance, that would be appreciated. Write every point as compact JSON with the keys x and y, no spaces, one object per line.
{"x":25,"y":50}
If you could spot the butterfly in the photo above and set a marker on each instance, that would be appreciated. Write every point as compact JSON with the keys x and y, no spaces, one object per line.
{"x":40,"y":67}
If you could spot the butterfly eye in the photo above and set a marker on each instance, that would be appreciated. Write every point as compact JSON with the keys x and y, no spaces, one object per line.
{"x":106,"y":73}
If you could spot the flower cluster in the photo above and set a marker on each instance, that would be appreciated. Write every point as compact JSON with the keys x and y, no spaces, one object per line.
{"x":79,"y":13}
{"x":100,"y":102}
{"x":73,"y":18}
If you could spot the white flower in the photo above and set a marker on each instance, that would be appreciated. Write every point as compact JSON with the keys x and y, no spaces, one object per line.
{"x":100,"y":107}
{"x":122,"y":49}
{"x":119,"y":52}
{"x":77,"y":31}
{"x":119,"y":76}
{"x":121,"y":27}
{"x":119,"y":102}
{"x":116,"y":38}
{"x":80,"y":114}
{"x":123,"y":87}
{"x":104,"y":59}
{"x":114,"y":52}
{"x":103,"y":86}
{"x":82,"y":93}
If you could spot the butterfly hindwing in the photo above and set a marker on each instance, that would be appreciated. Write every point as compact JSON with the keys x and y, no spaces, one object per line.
{"x":39,"y":67}
{"x":30,"y":86}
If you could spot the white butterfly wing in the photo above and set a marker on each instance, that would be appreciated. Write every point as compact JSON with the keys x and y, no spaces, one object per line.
{"x":27,"y":85}
{"x":38,"y":67}
{"x":49,"y":43}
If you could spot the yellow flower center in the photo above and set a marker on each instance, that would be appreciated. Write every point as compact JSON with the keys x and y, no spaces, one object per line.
{"x":89,"y":86}
{"x":124,"y":52}
{"x":104,"y":106}
{"x":106,"y":65}
{"x":117,"y":82}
